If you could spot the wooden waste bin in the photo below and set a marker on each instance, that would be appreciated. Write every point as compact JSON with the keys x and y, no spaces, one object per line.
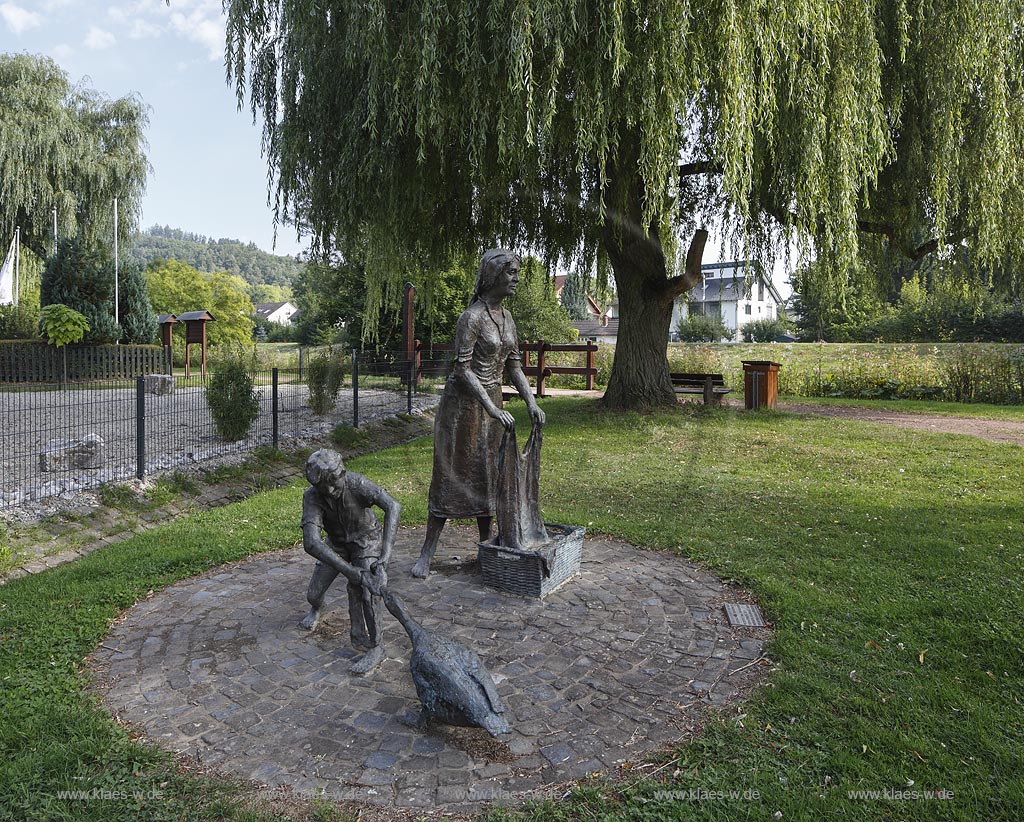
{"x":760,"y":383}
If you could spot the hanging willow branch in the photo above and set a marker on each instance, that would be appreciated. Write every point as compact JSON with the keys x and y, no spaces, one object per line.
{"x":432,"y":126}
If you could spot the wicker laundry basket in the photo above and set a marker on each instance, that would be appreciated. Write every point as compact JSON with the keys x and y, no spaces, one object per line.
{"x":534,"y":573}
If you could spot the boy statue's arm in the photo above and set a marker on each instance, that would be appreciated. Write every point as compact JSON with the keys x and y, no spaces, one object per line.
{"x":392,"y":512}
{"x":320,"y":549}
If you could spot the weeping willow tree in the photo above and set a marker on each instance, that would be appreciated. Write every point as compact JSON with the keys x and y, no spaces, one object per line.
{"x":612,"y":132}
{"x":70,"y":148}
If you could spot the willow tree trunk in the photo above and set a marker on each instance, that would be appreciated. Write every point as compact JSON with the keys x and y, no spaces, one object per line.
{"x":640,"y":376}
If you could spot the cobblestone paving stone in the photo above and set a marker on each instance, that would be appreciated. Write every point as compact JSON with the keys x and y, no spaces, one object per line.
{"x":620,"y":662}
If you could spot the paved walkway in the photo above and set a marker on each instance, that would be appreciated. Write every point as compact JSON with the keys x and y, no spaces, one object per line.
{"x":618,"y":663}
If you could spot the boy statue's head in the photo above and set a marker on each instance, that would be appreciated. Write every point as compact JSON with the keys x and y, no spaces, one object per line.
{"x":325,"y":470}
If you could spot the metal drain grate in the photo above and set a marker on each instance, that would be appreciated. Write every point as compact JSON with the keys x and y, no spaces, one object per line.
{"x":748,"y":615}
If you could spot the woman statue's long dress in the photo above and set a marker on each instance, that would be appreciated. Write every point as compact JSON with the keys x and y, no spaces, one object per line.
{"x":470,"y":419}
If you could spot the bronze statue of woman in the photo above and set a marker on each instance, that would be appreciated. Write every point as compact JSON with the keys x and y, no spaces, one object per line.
{"x":470,"y":419}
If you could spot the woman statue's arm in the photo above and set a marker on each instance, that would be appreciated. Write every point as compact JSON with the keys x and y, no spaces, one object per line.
{"x":522,"y":385}
{"x":466,"y":333}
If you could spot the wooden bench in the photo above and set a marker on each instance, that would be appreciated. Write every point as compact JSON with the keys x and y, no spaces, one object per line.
{"x":712,"y":386}
{"x":539,"y":371}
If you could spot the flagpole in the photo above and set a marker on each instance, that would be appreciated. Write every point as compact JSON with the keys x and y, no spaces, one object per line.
{"x":116,"y":318}
{"x":17,"y":260}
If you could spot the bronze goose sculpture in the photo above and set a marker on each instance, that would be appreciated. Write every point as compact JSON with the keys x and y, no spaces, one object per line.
{"x":452,"y":683}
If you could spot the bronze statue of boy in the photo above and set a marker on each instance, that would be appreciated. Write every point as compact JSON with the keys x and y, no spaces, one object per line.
{"x":339,"y":504}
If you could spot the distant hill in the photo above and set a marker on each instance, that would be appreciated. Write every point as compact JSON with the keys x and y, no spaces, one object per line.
{"x":255,"y":266}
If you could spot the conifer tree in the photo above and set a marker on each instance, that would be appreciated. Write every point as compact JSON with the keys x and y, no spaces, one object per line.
{"x":81,"y":277}
{"x":135,"y":311}
{"x":574,"y":295}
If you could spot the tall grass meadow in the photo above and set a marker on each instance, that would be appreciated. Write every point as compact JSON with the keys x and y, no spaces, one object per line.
{"x":954,"y":372}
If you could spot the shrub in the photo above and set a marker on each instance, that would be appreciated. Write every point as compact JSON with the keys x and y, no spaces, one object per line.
{"x":984,"y":375}
{"x":234,"y":402}
{"x":282,"y":333}
{"x":19,"y":322}
{"x":346,"y":436}
{"x":266,"y":331}
{"x":325,"y":373}
{"x":603,"y":358}
{"x":62,"y":325}
{"x":903,"y":374}
{"x":702,"y":328}
{"x":946,"y":315}
{"x":694,"y":359}
{"x":761,"y":331}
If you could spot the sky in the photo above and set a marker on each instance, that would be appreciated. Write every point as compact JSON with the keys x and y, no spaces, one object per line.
{"x":208,"y":174}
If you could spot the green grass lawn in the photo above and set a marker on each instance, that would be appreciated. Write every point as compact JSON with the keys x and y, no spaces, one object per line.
{"x":889,"y":560}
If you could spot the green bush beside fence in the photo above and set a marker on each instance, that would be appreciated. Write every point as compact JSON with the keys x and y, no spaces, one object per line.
{"x":234,"y":402}
{"x":325,"y":374}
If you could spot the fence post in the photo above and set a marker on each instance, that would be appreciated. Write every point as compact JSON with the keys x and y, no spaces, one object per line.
{"x":140,"y":427}
{"x":412,"y":377}
{"x":273,"y":405}
{"x":540,"y":368}
{"x":591,"y":348}
{"x":300,"y":363}
{"x":408,"y":321}
{"x":355,"y":388}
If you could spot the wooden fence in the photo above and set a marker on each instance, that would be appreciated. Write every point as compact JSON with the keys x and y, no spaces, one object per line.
{"x":26,"y":362}
{"x":539,"y":371}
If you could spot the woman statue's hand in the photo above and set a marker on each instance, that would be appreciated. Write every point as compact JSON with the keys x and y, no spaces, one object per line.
{"x":505,"y":418}
{"x":536,"y":415}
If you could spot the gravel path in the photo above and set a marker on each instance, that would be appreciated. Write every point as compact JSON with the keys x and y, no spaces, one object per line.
{"x":178,"y":431}
{"x":993,"y":430}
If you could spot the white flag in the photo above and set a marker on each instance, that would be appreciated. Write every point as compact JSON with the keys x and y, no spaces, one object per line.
{"x":7,"y":277}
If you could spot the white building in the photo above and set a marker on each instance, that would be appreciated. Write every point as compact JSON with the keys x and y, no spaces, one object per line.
{"x":280,"y":313}
{"x":725,"y":292}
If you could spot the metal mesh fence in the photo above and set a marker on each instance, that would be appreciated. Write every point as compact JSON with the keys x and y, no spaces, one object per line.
{"x":59,"y":439}
{"x":38,"y":423}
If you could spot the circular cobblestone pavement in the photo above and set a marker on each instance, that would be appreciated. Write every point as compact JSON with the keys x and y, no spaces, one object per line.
{"x":617,"y":663}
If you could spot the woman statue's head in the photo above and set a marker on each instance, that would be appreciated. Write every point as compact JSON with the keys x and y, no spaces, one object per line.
{"x":493,"y":264}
